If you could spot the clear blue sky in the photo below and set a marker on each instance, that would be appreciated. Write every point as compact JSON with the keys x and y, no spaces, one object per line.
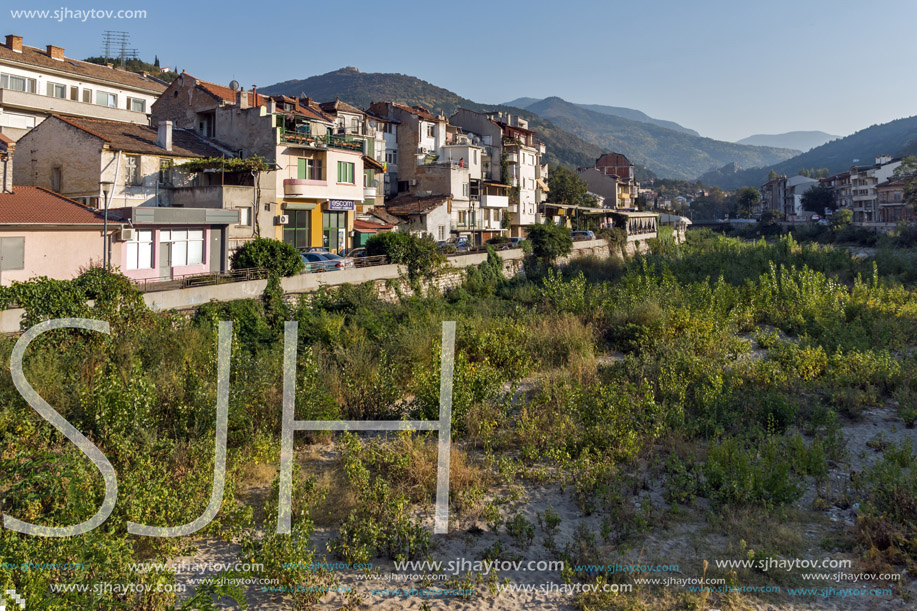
{"x":726,"y":69}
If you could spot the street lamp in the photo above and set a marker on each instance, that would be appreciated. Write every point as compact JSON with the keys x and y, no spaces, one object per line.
{"x":106,"y":189}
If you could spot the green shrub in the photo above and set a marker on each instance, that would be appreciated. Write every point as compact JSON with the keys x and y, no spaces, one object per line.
{"x":421,"y":255}
{"x":272,"y":255}
{"x":550,"y":242}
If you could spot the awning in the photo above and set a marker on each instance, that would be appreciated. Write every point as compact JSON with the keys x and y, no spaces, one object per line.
{"x":299,"y":206}
{"x":371,"y":164}
{"x":542,"y":185}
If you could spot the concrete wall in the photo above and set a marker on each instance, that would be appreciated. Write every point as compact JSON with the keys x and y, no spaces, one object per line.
{"x":58,"y":253}
{"x":388,"y":281}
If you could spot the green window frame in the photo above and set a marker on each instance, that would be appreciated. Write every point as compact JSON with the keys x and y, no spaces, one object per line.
{"x":297,"y":232}
{"x":345,"y":172}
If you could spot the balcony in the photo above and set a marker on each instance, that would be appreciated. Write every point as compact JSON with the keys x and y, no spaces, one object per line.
{"x":369,"y":192}
{"x":494,"y":201}
{"x":302,"y":138}
{"x":216,"y":196}
{"x":300,"y":187}
{"x":11,"y":99}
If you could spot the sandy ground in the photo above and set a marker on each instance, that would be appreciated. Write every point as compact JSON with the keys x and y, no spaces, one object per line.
{"x":686,"y":539}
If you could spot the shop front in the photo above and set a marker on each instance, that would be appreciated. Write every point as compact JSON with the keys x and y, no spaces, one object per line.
{"x":337,"y":224}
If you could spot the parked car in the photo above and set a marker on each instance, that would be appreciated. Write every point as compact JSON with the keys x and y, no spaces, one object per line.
{"x":356,"y":251}
{"x":583,"y":235}
{"x":319,"y":249}
{"x":323,"y":261}
{"x":345,"y":261}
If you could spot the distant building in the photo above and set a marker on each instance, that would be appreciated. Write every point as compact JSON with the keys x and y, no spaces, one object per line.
{"x":863,"y":183}
{"x":893,"y":208}
{"x":794,"y":188}
{"x":36,"y":83}
{"x":773,"y":195}
{"x":619,"y":166}
{"x":839,"y":184}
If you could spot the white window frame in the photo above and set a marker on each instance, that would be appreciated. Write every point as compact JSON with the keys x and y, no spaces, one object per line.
{"x":54,"y":88}
{"x":187,"y":245}
{"x":143,"y":238}
{"x":29,"y":84}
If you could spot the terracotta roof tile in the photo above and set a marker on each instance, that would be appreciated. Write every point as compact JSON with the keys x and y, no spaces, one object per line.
{"x":38,"y":206}
{"x":133,"y":138}
{"x":369,"y":226}
{"x":38,"y":58}
{"x":405,"y":205}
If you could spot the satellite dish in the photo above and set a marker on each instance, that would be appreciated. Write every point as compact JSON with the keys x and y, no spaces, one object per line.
{"x":234,"y":85}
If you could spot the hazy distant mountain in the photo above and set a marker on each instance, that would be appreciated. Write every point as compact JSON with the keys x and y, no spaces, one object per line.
{"x":362,"y":88}
{"x":898,"y":137}
{"x":617,"y":111}
{"x":801,"y":141}
{"x":668,"y":153}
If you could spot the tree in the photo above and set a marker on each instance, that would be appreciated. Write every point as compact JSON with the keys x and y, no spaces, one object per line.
{"x":908,"y":172}
{"x":421,"y":255}
{"x":818,"y":199}
{"x":842,"y":218}
{"x":156,"y":61}
{"x":772,"y":175}
{"x":550,"y":241}
{"x":770,"y":217}
{"x":747,"y":198}
{"x":569,"y":189}
{"x":273,"y":255}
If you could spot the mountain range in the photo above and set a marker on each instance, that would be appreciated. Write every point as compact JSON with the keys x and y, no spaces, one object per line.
{"x":575,"y":136}
{"x":617,"y":111}
{"x":897,"y":138}
{"x":668,"y":153}
{"x":802,"y":141}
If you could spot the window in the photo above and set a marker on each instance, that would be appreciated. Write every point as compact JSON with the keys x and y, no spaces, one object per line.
{"x":391,"y":157}
{"x":136,"y":104}
{"x":296,"y":232}
{"x":309,"y":169}
{"x":245,"y":217}
{"x":17,"y":83}
{"x":465,"y":189}
{"x":474,"y":155}
{"x":106,"y":99}
{"x":75,"y":94}
{"x":345,"y":172}
{"x":87,"y":96}
{"x":441,"y":232}
{"x":132,"y":176}
{"x":56,"y":90}
{"x":165,"y":171}
{"x":56,"y":179}
{"x":389,"y":128}
{"x":187,"y":246}
{"x":355,"y":124}
{"x":430,"y":131}
{"x":463,"y":217}
{"x":139,"y":251}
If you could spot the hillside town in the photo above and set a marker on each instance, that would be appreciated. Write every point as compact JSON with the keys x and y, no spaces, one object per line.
{"x":179,"y":176}
{"x":168,"y":180}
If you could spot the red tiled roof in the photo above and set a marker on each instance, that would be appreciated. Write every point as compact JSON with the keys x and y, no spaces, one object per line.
{"x":420,"y":111}
{"x":133,"y":138}
{"x":39,"y":59}
{"x":339,"y":106}
{"x":405,"y":205}
{"x":5,"y":140}
{"x":384,"y":216}
{"x":38,"y":206}
{"x":224,"y":93}
{"x":370,"y":227}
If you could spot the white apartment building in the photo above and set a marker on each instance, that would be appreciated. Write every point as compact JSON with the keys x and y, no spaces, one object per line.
{"x":36,"y":83}
{"x":863,"y":183}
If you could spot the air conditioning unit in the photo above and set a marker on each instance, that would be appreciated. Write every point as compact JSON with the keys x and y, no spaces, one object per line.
{"x":413,"y":182}
{"x":283,"y":219}
{"x":127,"y":234}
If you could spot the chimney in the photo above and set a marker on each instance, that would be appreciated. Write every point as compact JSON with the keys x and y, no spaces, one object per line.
{"x":56,"y":53}
{"x":14,"y":42}
{"x":164,"y":138}
{"x":242,"y":99}
{"x":6,"y":159}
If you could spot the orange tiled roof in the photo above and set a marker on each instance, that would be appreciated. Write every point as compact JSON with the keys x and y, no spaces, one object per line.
{"x":38,"y":206}
{"x":39,"y":59}
{"x":133,"y":138}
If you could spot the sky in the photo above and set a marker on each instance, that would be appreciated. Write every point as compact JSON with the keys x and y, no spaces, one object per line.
{"x":725,"y":69}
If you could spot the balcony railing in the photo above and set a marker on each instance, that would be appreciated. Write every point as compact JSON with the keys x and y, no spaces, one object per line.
{"x":342,"y":142}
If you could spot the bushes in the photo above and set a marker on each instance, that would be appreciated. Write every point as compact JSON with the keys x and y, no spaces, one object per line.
{"x":549,"y":242}
{"x":273,"y":255}
{"x":421,"y":255}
